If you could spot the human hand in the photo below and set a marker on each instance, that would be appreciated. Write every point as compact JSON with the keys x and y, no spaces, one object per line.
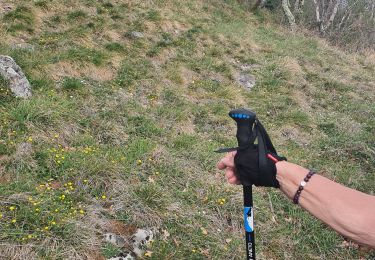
{"x":242,"y":167}
{"x":227,"y":164}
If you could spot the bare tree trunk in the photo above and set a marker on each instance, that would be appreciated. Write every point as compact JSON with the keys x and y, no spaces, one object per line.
{"x":298,"y":9}
{"x":344,"y":18}
{"x":317,"y":15}
{"x":289,"y":15}
{"x":329,"y":21}
{"x":256,"y":5}
{"x":296,"y":6}
{"x":333,"y":14}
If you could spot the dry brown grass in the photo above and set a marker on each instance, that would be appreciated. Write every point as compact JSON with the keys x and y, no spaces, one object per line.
{"x":16,"y":252}
{"x":293,"y":71}
{"x":69,"y":69}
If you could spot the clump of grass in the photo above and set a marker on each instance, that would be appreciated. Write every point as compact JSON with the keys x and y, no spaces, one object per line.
{"x":142,"y":126}
{"x":153,"y":15}
{"x":4,"y":89}
{"x":76,"y":15}
{"x":132,"y":71}
{"x":41,"y":3}
{"x":20,"y":19}
{"x":108,"y":250}
{"x":72,"y":83}
{"x":55,"y":19}
{"x":82,"y":55}
{"x":114,"y":46}
{"x":107,"y":5}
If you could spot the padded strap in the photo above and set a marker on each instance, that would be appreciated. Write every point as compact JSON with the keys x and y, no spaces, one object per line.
{"x":265,"y":146}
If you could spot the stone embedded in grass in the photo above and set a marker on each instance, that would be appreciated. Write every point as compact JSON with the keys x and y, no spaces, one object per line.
{"x":246,"y":80}
{"x":138,"y":241}
{"x":134,"y":35}
{"x":18,"y":82}
{"x":6,"y":9}
{"x":114,"y":239}
{"x":23,"y":46}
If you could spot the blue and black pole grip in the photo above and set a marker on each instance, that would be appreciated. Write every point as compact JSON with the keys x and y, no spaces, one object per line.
{"x":245,"y":120}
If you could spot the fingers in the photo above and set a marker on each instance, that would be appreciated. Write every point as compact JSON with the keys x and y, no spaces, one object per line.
{"x":234,"y":181}
{"x":229,"y":173}
{"x":231,"y":176}
{"x":227,"y":161}
{"x":227,"y":164}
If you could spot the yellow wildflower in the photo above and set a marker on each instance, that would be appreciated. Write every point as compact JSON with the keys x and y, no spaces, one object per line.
{"x":148,"y":254}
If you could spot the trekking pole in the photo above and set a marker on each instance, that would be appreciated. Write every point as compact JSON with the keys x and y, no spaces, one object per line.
{"x":245,"y":120}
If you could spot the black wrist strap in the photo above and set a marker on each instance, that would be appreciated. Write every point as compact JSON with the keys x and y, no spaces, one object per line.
{"x":265,"y":146}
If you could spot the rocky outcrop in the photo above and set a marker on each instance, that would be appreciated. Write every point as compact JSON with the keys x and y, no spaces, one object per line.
{"x":18,"y":82}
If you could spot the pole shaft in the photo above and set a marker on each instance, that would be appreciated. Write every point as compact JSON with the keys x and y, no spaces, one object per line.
{"x":248,"y":222}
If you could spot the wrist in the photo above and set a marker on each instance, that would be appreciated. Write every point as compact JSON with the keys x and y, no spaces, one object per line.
{"x":289,"y":176}
{"x":281,"y":168}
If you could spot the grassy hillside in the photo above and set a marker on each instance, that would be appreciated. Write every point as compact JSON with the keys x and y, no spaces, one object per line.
{"x":122,"y":127}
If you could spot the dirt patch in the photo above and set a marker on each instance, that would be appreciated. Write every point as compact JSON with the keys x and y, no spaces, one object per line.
{"x":4,"y":177}
{"x":114,"y":36}
{"x":188,"y":76}
{"x":290,"y":133}
{"x":186,"y":127}
{"x":370,"y":57}
{"x":119,"y":228}
{"x":67,"y":69}
{"x":293,"y":71}
{"x":94,"y":255}
{"x":173,"y":27}
{"x":164,"y":56}
{"x":303,"y":100}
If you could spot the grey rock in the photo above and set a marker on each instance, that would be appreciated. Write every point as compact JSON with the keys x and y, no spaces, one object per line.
{"x":114,"y":239}
{"x":248,"y":67}
{"x":136,"y":34}
{"x":246,"y":80}
{"x":6,"y":9}
{"x":23,"y":46}
{"x":18,"y":82}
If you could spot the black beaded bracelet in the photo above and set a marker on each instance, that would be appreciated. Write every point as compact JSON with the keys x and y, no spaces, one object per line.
{"x":302,"y":185}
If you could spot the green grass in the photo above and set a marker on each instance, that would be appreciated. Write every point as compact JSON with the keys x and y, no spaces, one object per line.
{"x":137,"y":145}
{"x":72,"y":83}
{"x":20,"y":19}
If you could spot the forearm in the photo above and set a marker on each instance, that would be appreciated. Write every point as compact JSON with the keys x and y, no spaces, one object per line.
{"x":349,"y":212}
